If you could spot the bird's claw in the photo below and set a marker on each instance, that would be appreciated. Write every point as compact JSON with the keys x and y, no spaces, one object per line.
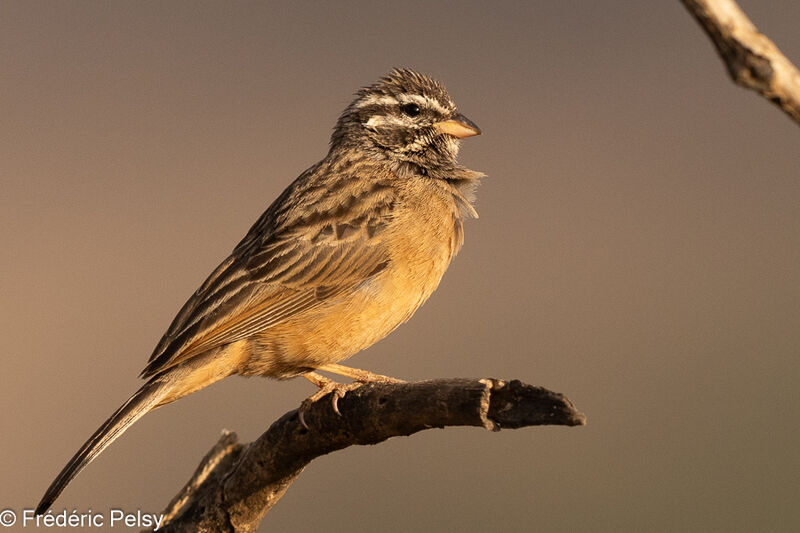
{"x":338,"y":390}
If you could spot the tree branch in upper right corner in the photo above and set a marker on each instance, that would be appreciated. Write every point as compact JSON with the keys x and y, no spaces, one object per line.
{"x":752,"y":60}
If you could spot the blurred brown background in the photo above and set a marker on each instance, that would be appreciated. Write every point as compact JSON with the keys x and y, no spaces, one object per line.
{"x":638,"y":249}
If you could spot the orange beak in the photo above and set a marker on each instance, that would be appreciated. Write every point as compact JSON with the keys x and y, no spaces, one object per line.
{"x":459,"y":126}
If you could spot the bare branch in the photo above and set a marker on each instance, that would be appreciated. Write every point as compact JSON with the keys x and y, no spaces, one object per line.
{"x":236,"y":484}
{"x":753,"y":61}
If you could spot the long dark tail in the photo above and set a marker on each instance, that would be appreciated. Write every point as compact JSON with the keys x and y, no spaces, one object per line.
{"x":139,"y":404}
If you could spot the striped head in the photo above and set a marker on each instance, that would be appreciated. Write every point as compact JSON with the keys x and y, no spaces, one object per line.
{"x":406,"y":117}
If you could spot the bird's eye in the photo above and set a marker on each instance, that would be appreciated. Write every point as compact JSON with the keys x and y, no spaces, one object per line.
{"x":412,"y":110}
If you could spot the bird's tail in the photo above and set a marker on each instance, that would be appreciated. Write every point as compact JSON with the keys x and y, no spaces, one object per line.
{"x":145,"y":399}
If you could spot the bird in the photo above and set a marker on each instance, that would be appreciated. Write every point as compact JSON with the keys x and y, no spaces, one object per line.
{"x":348,"y":252}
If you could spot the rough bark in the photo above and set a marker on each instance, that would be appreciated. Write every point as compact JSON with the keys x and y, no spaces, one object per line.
{"x":752,"y":60}
{"x":236,"y":484}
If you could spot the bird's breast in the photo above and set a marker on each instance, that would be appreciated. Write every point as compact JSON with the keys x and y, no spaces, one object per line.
{"x":421,"y":239}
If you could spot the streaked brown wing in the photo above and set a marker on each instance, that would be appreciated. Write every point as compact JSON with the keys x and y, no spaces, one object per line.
{"x":272,"y":276}
{"x":241,"y":301}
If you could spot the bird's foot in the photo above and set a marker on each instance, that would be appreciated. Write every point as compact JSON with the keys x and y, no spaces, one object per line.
{"x":326,"y":386}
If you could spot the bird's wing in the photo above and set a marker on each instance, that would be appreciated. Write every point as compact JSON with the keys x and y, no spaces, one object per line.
{"x":275,"y":274}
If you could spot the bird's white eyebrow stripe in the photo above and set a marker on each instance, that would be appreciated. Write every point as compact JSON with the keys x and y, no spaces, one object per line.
{"x":375,"y":99}
{"x":418,"y":99}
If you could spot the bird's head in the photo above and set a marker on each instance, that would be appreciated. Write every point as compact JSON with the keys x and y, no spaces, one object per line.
{"x":406,"y":117}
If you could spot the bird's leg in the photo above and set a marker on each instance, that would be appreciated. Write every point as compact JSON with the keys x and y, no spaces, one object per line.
{"x":356,"y":374}
{"x":316,"y":379}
